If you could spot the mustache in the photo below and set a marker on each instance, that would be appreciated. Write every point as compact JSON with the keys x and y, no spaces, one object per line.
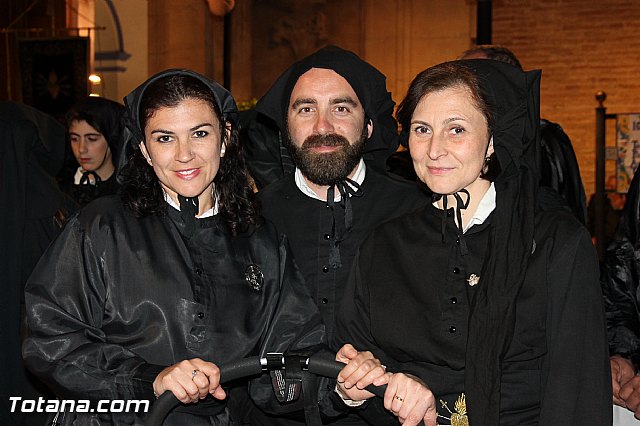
{"x":330,"y":139}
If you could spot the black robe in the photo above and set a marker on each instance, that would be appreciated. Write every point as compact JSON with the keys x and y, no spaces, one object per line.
{"x":31,"y":154}
{"x":409,"y":299}
{"x":307,"y":222}
{"x":116,"y":299}
{"x":84,"y":193}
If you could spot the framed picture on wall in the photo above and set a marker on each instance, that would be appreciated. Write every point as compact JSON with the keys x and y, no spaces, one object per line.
{"x":54,"y":72}
{"x":628,"y":144}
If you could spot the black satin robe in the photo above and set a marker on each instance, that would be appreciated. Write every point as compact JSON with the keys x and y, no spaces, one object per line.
{"x":115,"y":299}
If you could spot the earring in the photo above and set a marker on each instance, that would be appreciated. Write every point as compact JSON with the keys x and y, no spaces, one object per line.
{"x":223,"y":149}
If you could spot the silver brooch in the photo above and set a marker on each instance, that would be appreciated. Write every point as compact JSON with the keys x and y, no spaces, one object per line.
{"x":254,"y":277}
{"x":473,"y":280}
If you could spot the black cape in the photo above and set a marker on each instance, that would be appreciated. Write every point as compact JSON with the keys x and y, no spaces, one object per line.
{"x":409,"y":302}
{"x":559,"y":168}
{"x":31,"y":154}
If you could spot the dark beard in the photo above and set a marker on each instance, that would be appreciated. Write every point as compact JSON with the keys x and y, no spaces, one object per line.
{"x":328,"y":168}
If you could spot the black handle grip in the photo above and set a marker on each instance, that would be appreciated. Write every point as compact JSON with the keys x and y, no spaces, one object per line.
{"x":321,"y":366}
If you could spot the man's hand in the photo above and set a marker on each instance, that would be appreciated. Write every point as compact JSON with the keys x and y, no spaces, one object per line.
{"x":622,"y":371}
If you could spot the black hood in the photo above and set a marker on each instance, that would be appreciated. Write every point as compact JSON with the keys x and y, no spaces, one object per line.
{"x":514,"y":96}
{"x":34,"y":146}
{"x":368,"y":83}
{"x":107,"y":115}
{"x":132,"y":101}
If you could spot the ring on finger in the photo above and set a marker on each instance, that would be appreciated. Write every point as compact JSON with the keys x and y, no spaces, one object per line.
{"x":399,"y":398}
{"x":193,"y":374}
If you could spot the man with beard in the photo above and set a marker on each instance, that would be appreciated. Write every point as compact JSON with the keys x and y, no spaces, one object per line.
{"x":331,"y":109}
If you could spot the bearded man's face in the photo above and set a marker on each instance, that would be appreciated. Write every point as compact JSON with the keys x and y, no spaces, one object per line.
{"x":326,"y":126}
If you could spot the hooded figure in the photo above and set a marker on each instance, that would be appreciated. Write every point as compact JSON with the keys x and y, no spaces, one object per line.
{"x":265,"y":133}
{"x":142,"y":292}
{"x":89,"y":121}
{"x":32,"y":153}
{"x":497,"y":301}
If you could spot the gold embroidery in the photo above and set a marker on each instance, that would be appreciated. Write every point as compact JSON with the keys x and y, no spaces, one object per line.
{"x":459,"y":418}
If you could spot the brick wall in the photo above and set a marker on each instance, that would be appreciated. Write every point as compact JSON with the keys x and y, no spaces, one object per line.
{"x":582,"y":46}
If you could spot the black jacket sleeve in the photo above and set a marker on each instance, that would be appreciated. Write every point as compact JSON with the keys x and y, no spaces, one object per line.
{"x":576,"y":380}
{"x":620,"y":288}
{"x":66,"y":345}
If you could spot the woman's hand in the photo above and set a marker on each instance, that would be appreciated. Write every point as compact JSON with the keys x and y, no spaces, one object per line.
{"x":411,"y":400}
{"x":362,"y":369}
{"x":190,"y":380}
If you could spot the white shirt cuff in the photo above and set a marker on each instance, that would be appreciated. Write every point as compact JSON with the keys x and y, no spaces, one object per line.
{"x":346,"y":400}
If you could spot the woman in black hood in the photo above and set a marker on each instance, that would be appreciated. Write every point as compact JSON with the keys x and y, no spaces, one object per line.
{"x":492,"y":303}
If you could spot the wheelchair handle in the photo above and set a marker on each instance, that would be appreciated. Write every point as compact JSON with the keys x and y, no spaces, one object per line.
{"x":321,"y":366}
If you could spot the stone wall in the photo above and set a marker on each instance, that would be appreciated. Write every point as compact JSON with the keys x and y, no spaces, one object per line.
{"x":399,"y":37}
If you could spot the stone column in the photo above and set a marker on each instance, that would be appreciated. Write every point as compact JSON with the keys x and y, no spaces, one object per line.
{"x":181,"y":35}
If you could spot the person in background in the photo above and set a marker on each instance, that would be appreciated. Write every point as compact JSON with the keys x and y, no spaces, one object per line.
{"x":95,"y":127}
{"x":32,"y":146}
{"x":559,"y":168}
{"x":613,"y":211}
{"x":490,"y":302}
{"x":149,"y":291}
{"x":620,"y":284}
{"x":334,"y":117}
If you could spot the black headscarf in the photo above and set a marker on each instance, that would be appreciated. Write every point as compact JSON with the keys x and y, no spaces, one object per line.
{"x":515,"y":98}
{"x":135,"y":133}
{"x":367,"y":82}
{"x":132,"y":101}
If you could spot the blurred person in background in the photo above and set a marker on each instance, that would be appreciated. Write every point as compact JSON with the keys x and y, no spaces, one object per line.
{"x":95,"y":127}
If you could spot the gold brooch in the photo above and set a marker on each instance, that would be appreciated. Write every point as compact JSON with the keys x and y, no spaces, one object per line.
{"x":473,"y":280}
